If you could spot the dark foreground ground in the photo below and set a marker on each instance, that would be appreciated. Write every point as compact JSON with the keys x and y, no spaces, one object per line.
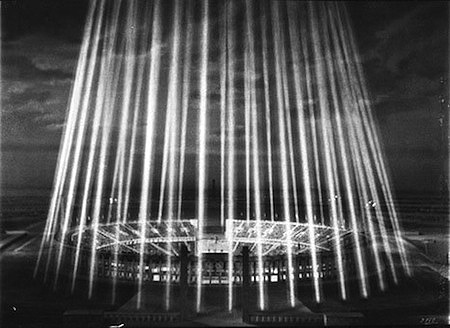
{"x":28,"y":302}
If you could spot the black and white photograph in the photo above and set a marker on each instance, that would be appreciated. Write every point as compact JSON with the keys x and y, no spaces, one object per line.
{"x":225,"y":163}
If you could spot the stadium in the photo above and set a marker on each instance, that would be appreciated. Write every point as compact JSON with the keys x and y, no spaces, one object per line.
{"x":315,"y":159}
{"x":118,"y":250}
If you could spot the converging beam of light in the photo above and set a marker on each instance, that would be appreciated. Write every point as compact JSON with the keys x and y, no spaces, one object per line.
{"x":374,"y":194}
{"x":312,"y":117}
{"x":129,"y":72}
{"x":162,"y":189}
{"x":371,"y":180}
{"x":316,"y":127}
{"x":267,"y":107}
{"x":344,"y":83}
{"x":359,"y":171}
{"x":295,"y":50}
{"x":172,"y":111}
{"x":67,"y":140}
{"x":375,"y":145}
{"x":255,"y":146}
{"x":366,"y":207}
{"x":231,"y":148}
{"x":202,"y":128}
{"x":247,"y":110}
{"x":325,"y":122}
{"x":100,"y":98}
{"x":223,"y":107}
{"x":137,"y":106}
{"x":283,"y":153}
{"x":152,"y":96}
{"x":287,"y":111}
{"x":76,"y":160}
{"x":371,"y":184}
{"x":187,"y":62}
{"x":104,"y":148}
{"x":344,"y":159}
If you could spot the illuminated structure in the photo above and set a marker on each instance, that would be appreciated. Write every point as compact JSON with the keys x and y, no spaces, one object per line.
{"x":214,"y":249}
{"x":293,"y":128}
{"x":185,"y":231}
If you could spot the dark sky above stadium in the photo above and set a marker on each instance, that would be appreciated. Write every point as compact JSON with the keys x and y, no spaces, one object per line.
{"x":404,"y":47}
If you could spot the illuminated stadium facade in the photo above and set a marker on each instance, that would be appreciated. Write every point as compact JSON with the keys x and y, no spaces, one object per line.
{"x":125,"y":266}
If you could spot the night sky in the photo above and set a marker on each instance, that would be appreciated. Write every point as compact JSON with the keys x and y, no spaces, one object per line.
{"x":404,"y":47}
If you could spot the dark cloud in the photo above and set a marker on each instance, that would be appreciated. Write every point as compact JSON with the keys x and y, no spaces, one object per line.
{"x":30,"y":147}
{"x":37,"y":74}
{"x":24,"y":68}
{"x":403,"y":47}
{"x":19,"y":99}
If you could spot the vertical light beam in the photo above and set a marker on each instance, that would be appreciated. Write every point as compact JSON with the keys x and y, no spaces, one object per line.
{"x":325,"y":125}
{"x":136,"y":115}
{"x":67,"y":139}
{"x":295,"y":50}
{"x":364,"y":139}
{"x":247,"y":133}
{"x":172,"y":111}
{"x":344,"y":158}
{"x":267,"y":107}
{"x":287,"y":111}
{"x":231,"y":148}
{"x":187,"y":63}
{"x":255,"y":147}
{"x":129,"y":73}
{"x":369,"y":122}
{"x":76,"y":161}
{"x":311,"y":113}
{"x":349,"y":106}
{"x":115,"y":67}
{"x":152,"y":97}
{"x":202,"y":129}
{"x":283,"y":153}
{"x":98,"y":107}
{"x":223,"y":108}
